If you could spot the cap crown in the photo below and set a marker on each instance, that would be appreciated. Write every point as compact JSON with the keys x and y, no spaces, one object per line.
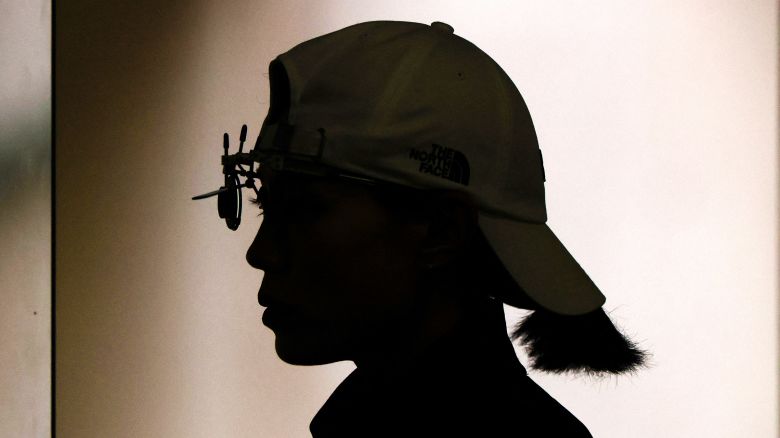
{"x":416,"y":105}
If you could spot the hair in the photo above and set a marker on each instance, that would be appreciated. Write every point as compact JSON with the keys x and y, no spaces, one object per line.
{"x":588,"y":344}
{"x":584,"y":344}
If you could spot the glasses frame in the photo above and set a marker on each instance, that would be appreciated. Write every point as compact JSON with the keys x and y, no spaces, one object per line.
{"x":229,"y":199}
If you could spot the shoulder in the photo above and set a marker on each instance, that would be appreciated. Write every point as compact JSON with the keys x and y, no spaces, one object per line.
{"x":505,"y":406}
{"x":489,"y":405}
{"x":532,"y":410}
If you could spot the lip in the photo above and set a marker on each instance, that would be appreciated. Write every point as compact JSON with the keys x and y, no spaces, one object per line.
{"x":275,"y":317}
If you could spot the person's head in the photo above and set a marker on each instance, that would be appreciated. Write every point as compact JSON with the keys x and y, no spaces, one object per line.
{"x":349,"y":266}
{"x":346,"y":266}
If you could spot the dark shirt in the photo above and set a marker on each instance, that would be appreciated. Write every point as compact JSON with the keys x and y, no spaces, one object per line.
{"x":468,"y":383}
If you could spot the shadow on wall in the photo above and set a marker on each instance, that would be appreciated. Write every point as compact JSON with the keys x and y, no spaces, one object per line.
{"x":25,"y":162}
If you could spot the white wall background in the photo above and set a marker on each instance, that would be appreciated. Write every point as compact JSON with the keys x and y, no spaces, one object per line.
{"x":25,"y":218}
{"x":658,"y":121}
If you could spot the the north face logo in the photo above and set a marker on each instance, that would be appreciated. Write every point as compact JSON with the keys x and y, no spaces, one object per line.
{"x":443,"y":162}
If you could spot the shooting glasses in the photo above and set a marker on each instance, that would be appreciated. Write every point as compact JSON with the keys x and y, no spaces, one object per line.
{"x":276,"y":155}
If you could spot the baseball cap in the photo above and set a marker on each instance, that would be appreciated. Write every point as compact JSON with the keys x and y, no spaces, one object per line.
{"x":416,"y":105}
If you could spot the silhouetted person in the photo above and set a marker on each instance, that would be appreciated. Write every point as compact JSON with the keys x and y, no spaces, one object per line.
{"x":402,"y":189}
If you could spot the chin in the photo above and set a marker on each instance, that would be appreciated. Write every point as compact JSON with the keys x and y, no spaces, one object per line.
{"x":305,"y":353}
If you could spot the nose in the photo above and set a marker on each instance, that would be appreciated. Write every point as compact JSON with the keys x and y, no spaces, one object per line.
{"x":266,"y":251}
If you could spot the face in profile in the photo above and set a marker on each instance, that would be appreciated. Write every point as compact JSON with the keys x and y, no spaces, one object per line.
{"x":340,"y":271}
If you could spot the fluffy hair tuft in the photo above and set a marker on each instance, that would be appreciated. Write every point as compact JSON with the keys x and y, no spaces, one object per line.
{"x":584,"y":344}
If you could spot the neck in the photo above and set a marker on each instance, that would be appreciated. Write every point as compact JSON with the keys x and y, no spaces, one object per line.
{"x":400,"y":348}
{"x":395,"y":353}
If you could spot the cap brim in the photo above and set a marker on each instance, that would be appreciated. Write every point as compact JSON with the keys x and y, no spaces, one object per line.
{"x":541,"y":265}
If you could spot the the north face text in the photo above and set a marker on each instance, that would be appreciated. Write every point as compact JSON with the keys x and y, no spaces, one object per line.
{"x":443,"y":162}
